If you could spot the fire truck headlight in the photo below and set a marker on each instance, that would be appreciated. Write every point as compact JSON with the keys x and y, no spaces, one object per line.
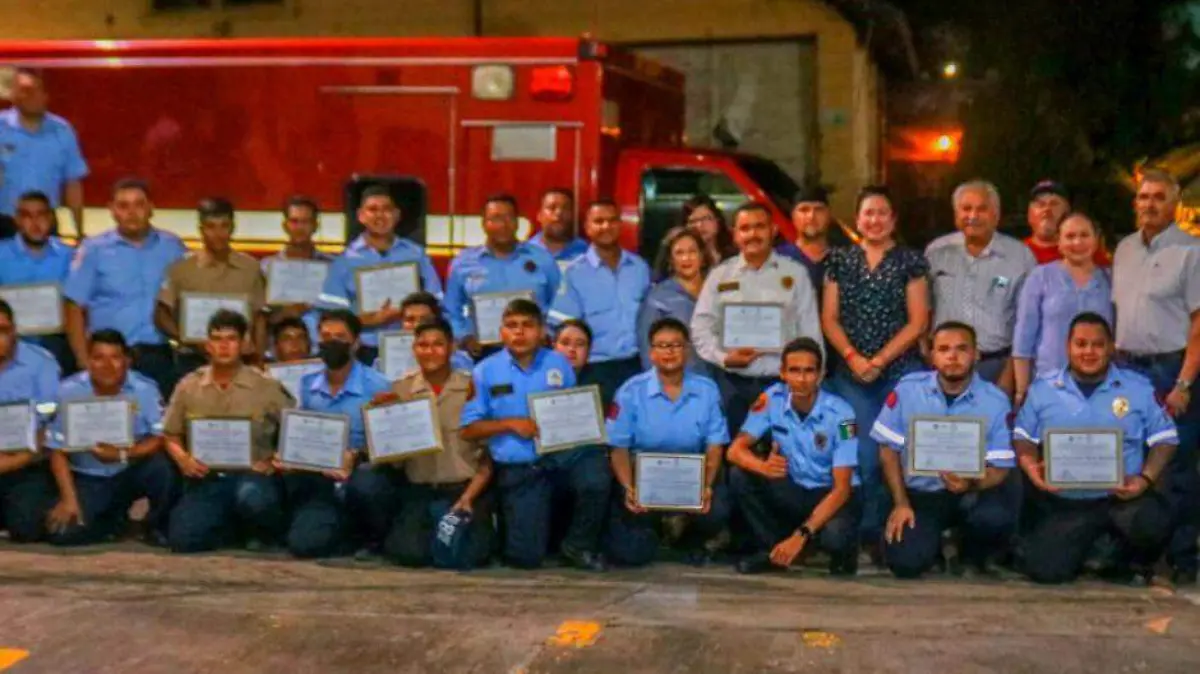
{"x":492,"y":82}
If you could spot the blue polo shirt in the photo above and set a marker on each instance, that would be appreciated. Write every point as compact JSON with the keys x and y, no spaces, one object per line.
{"x":361,"y":386}
{"x":147,"y":418}
{"x":30,"y":376}
{"x":44,"y":160}
{"x":478,"y":270}
{"x":117,"y":282}
{"x":644,"y":419}
{"x":920,"y":394}
{"x":608,"y":300}
{"x":22,"y":265}
{"x":502,"y":389}
{"x":824,"y":439}
{"x":569,"y":253}
{"x":1123,"y":400}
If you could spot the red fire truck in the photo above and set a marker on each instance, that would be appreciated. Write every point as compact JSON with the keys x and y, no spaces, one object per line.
{"x":445,"y":121}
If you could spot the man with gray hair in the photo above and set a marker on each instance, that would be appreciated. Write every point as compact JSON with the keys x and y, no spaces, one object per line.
{"x":977,"y":275}
{"x":1156,"y":289}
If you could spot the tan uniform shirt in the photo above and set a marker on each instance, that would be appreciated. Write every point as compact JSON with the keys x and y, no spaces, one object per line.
{"x":459,"y":461}
{"x":251,"y":394}
{"x":200,"y":273}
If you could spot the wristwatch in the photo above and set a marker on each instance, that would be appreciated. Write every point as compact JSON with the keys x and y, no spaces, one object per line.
{"x":1183,"y":385}
{"x":805,"y":531}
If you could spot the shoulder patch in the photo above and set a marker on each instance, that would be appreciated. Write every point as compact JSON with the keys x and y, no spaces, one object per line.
{"x":787,"y":282}
{"x":614,"y":410}
{"x":760,"y":404}
{"x":847,"y":430}
{"x":892,"y":399}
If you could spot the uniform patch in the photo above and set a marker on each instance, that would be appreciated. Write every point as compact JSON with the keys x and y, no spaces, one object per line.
{"x":614,"y":411}
{"x":779,"y":430}
{"x":760,"y":404}
{"x":1120,"y":406}
{"x":530,"y":266}
{"x":787,"y":282}
{"x":847,"y":430}
{"x":892,"y":399}
{"x":501,"y":390}
{"x":820,"y":441}
{"x":728,"y":286}
{"x":554,"y":377}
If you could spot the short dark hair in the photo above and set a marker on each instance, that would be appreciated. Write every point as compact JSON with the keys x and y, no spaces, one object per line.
{"x":7,"y":310}
{"x":214,"y":207}
{"x":344,"y":316}
{"x":503,"y":198}
{"x":580,"y":325}
{"x":524,"y":307}
{"x":603,"y":202}
{"x":437,"y":323}
{"x":131,"y":183}
{"x":421,"y":298}
{"x":750,"y":207}
{"x":669,"y":323}
{"x":35,"y":195}
{"x":110,"y":337}
{"x":1090,"y":318}
{"x":872,"y":191}
{"x":289,"y":323}
{"x":804,"y":345}
{"x":955,"y":326}
{"x":302,"y":201}
{"x":565,"y":191}
{"x":228,"y":319}
{"x":375,"y":190}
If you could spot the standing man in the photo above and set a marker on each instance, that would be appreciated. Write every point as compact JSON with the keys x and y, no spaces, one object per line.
{"x":301,"y":218}
{"x":1156,"y":289}
{"x":758,"y":274}
{"x":977,"y":275}
{"x":35,"y":255}
{"x":114,"y":283}
{"x":378,"y":244}
{"x":1049,"y":203}
{"x":502,"y":264}
{"x":556,"y":220}
{"x":38,"y":152}
{"x":605,"y":288}
{"x":810,"y":217}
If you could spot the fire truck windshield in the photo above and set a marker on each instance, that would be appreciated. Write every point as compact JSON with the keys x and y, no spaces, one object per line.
{"x":774,"y":181}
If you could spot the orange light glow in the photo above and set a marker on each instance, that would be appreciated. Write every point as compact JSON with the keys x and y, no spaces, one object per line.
{"x":917,"y":145}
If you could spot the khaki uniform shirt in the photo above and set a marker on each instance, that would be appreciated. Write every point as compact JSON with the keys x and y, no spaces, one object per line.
{"x":251,"y":394}
{"x":459,"y":460}
{"x":200,"y":273}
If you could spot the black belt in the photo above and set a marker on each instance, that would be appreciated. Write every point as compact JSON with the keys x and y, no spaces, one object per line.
{"x":992,"y":355}
{"x":1144,"y":359}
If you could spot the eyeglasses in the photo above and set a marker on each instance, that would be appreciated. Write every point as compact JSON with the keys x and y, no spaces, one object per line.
{"x":668,"y":346}
{"x":701,"y":219}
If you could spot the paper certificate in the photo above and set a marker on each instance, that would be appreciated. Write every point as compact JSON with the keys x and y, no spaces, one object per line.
{"x":669,"y":481}
{"x":37,"y":307}
{"x":400,"y":430}
{"x":221,"y":443}
{"x":487,"y":310}
{"x":18,"y":427}
{"x":751,"y":325}
{"x":396,"y":354}
{"x":567,"y":418}
{"x":954,"y":445}
{"x":379,"y":283}
{"x":295,"y":281}
{"x":290,"y":374}
{"x":93,"y":421}
{"x":195,"y":310}
{"x":312,"y":441}
{"x":1084,"y":458}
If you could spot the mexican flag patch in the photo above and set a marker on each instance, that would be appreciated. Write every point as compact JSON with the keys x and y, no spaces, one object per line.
{"x":847,"y":430}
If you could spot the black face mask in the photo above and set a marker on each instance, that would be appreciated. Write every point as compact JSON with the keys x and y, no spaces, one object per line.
{"x":334,"y":354}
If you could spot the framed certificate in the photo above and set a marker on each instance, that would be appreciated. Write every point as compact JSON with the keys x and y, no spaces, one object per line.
{"x":222,"y":443}
{"x":377,"y":284}
{"x":956,"y":445}
{"x":295,"y":281}
{"x":290,"y":374}
{"x":91,"y":421}
{"x":669,"y":481}
{"x":313,"y":441}
{"x":37,"y":307}
{"x":1084,"y":458}
{"x":487,"y":312}
{"x":567,"y":418}
{"x":195,"y":310}
{"x":402,"y":430}
{"x":396,"y":354}
{"x":752,"y":325}
{"x":18,"y":427}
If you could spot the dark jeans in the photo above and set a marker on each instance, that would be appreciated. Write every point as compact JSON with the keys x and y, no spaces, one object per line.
{"x":104,"y":501}
{"x":372,"y":498}
{"x":609,"y":376}
{"x":26,"y":496}
{"x":738,"y":393}
{"x":410,"y":541}
{"x":632,"y":538}
{"x":526,"y":492}
{"x":221,"y":510}
{"x":157,"y":362}
{"x":317,"y":524}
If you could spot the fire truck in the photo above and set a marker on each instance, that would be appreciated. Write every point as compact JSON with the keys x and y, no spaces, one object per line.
{"x":444,"y":122}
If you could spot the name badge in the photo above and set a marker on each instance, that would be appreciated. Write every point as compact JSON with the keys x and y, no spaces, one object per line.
{"x":502,"y":390}
{"x":779,"y":430}
{"x":728,"y":286}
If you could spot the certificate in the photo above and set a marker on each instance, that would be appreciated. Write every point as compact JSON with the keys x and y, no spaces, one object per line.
{"x":221,"y":442}
{"x":18,"y":427}
{"x":1084,"y":458}
{"x":487,"y":310}
{"x":295,"y":281}
{"x":37,"y":307}
{"x":379,"y":283}
{"x":567,"y":418}
{"x":290,"y":374}
{"x":195,"y":310}
{"x":313,"y":441}
{"x":669,"y":481}
{"x":401,"y":430}
{"x":91,"y":421}
{"x":954,"y":445}
{"x":752,"y":325}
{"x":396,"y":354}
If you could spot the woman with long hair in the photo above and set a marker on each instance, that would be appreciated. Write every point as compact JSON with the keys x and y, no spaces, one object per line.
{"x":702,"y":215}
{"x":682,"y":264}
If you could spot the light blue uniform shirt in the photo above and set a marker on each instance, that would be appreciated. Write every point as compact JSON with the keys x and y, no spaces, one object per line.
{"x":608,"y":301}
{"x":920,"y":394}
{"x":825,"y":439}
{"x":644,"y":419}
{"x":147,"y":418}
{"x":667,"y":299}
{"x":1055,"y":401}
{"x":569,"y":253}
{"x":1049,"y":301}
{"x":341,"y":292}
{"x":502,"y":389}
{"x":478,"y":270}
{"x":361,"y":386}
{"x":117,"y":282}
{"x":44,"y":160}
{"x":22,"y":265}
{"x":30,"y":376}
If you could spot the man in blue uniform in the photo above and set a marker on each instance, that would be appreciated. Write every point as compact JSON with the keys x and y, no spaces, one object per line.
{"x":1091,"y":393}
{"x":556,"y":221}
{"x":666,"y":410}
{"x":497,"y":411}
{"x":803,"y":492}
{"x":96,"y":486}
{"x":503,"y":264}
{"x":984,"y":510}
{"x":114,"y":283}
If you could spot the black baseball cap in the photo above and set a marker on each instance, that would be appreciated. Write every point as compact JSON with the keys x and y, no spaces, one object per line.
{"x":811,"y":193}
{"x":1049,"y":187}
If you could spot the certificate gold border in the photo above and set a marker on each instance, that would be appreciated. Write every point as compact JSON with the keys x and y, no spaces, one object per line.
{"x":361,"y":271}
{"x":637,"y":472}
{"x":374,"y":456}
{"x":595,"y":391}
{"x":32,"y":420}
{"x":65,"y":410}
{"x":58,"y":298}
{"x":249,"y":465}
{"x":301,"y":465}
{"x":512,"y":295}
{"x":910,"y":464}
{"x":776,"y":305}
{"x":184,"y":298}
{"x":271,"y":265}
{"x":383,"y":358}
{"x":1047,"y":457}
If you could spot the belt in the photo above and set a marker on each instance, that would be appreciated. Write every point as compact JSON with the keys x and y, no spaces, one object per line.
{"x":1150,"y":358}
{"x":992,"y":355}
